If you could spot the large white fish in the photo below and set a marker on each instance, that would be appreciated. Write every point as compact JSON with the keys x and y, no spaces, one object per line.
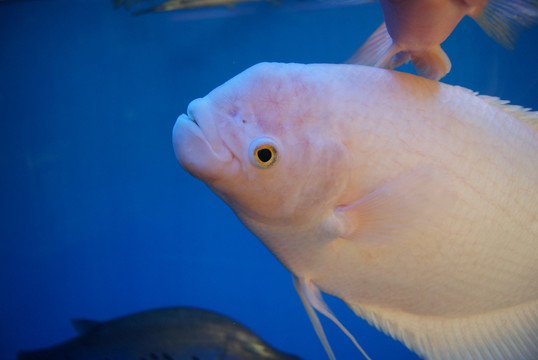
{"x":413,"y":201}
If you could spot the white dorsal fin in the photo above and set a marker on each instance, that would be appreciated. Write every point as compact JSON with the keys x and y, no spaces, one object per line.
{"x":502,"y":19}
{"x":312,"y":299}
{"x":510,"y":333}
{"x":525,"y":115}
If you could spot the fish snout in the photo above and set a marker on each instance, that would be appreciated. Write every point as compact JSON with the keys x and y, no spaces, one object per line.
{"x":193,"y":109}
{"x":197,"y":144}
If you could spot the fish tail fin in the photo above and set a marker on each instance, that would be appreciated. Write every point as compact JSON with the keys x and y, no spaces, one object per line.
{"x":379,"y":50}
{"x":432,"y":64}
{"x":312,"y":299}
{"x":502,"y":19}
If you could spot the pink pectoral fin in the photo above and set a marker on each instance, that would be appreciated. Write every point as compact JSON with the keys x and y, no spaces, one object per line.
{"x":397,"y":210}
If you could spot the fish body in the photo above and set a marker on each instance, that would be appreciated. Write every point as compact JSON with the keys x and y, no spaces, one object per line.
{"x":407,"y":20}
{"x":414,"y":30}
{"x":172,"y":5}
{"x":180,"y":333}
{"x":413,"y":201}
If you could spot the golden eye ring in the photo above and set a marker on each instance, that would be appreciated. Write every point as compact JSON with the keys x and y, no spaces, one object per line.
{"x":263,"y":153}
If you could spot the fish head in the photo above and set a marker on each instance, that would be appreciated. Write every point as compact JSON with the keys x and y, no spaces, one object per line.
{"x":262,"y":142}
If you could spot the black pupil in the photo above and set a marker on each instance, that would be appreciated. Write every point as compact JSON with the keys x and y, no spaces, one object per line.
{"x":264,"y":155}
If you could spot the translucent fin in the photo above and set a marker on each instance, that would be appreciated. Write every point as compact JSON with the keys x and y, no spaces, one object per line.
{"x":510,"y":333}
{"x":313,"y":317}
{"x":379,"y":50}
{"x":84,"y":326}
{"x":396,"y":210}
{"x":312,"y":299}
{"x":523,"y":114}
{"x":432,"y":64}
{"x":502,"y":19}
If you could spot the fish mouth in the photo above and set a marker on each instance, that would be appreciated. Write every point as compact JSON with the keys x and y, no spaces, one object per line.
{"x":198,"y":145}
{"x":191,"y":118}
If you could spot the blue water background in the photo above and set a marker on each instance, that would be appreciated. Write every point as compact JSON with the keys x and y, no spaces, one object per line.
{"x":98,"y":220}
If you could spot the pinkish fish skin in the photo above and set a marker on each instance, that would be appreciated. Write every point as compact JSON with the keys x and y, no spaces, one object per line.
{"x":413,"y":201}
{"x":414,"y":29}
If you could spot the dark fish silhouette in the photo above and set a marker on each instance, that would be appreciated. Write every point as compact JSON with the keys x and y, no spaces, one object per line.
{"x":180,"y":333}
{"x":173,"y":5}
{"x":179,"y":4}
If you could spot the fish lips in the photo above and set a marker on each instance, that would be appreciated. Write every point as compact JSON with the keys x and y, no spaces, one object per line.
{"x":197,"y":143}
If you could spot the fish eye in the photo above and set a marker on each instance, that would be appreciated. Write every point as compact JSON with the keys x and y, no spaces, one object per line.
{"x":263,"y":153}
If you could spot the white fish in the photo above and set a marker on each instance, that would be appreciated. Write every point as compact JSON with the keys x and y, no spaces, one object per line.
{"x":413,"y":201}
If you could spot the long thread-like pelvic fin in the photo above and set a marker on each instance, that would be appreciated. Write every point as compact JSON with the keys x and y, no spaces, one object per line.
{"x":313,"y":317}
{"x":312,"y":299}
